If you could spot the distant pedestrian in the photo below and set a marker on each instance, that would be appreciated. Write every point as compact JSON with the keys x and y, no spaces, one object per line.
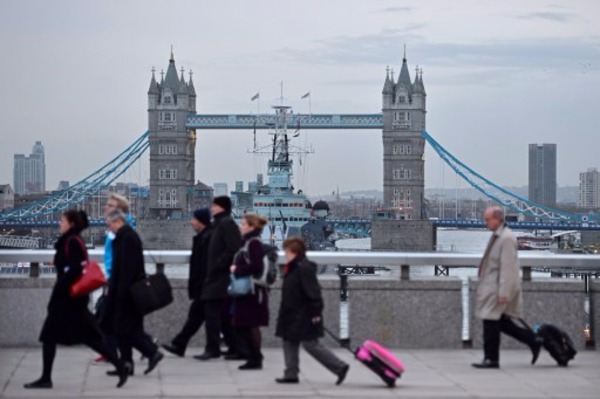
{"x":301,"y":315}
{"x":250,"y":312}
{"x":197,"y":274}
{"x":121,"y":315}
{"x":69,"y":321}
{"x":498,"y":299}
{"x":224,"y":244}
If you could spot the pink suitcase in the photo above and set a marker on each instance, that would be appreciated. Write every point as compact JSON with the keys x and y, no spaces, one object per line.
{"x":377,"y":358}
{"x":381,"y":361}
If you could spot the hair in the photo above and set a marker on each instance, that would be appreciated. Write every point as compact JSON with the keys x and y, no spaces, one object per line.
{"x":116,"y":214}
{"x":255,"y":220}
{"x":78,"y":219}
{"x":122,"y":202}
{"x":497,"y":212}
{"x":295,"y":245}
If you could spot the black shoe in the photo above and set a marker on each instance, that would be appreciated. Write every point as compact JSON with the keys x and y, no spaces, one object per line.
{"x":153,"y":362}
{"x":535,"y":351}
{"x":126,"y":371}
{"x":342,"y":375}
{"x":39,"y":384}
{"x":207,"y":356}
{"x":115,"y":373}
{"x":486,"y":364}
{"x":234,"y":356}
{"x":174,"y":349}
{"x":251,"y":365}
{"x":287,"y":380}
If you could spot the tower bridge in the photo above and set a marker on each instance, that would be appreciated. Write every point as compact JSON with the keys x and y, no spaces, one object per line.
{"x":171,"y":138}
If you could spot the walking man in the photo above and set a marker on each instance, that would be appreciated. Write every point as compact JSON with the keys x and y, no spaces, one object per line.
{"x":225,"y":242}
{"x":121,"y":315}
{"x":198,"y":264}
{"x":498,"y":299}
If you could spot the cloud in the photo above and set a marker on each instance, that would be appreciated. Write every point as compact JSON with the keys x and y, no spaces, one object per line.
{"x":396,"y":9}
{"x":386,"y":47}
{"x":553,"y":16}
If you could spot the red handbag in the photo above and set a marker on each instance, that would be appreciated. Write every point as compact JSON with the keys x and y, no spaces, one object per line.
{"x":92,"y":277}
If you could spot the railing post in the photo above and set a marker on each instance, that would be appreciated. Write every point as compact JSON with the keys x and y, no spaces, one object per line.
{"x":405,"y":272}
{"x":34,"y":269}
{"x":344,"y":308}
{"x":526,"y":273}
{"x":160,"y":268}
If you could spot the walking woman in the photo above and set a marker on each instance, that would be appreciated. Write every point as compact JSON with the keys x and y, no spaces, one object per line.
{"x":69,"y":321}
{"x":250,"y":312}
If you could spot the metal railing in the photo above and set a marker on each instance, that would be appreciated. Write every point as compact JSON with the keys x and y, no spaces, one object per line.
{"x":402,"y":260}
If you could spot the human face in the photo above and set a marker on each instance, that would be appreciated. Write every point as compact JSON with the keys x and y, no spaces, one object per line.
{"x":114,"y":225}
{"x":196,"y":225}
{"x":110,"y":206}
{"x":245,"y":228}
{"x":492,"y":222}
{"x":65,"y":225}
{"x":289,"y":255}
{"x":216,"y":209}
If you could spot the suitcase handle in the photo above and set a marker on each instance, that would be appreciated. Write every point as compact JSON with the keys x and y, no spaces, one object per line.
{"x":341,"y":342}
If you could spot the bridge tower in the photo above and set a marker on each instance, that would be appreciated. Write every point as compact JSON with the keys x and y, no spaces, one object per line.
{"x":403,"y":225}
{"x":172,"y":145}
{"x":404,"y":110}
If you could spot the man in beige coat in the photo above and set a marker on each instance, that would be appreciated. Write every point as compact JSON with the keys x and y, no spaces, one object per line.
{"x":498,"y":299}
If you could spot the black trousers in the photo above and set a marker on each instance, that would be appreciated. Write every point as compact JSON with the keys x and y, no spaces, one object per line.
{"x":491,"y":336}
{"x":194,"y":321}
{"x":138,"y":339}
{"x":217,"y":319}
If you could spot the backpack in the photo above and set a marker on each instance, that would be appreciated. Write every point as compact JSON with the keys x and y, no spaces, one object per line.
{"x":268,"y":275}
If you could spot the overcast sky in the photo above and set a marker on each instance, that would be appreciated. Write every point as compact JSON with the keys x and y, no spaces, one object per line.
{"x":498,"y":74}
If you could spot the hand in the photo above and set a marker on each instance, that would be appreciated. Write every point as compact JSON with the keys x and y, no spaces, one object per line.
{"x":502,"y":300}
{"x":232,"y":268}
{"x":316,"y":319}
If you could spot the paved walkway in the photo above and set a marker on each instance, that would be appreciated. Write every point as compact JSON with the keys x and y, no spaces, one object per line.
{"x":430,"y":374}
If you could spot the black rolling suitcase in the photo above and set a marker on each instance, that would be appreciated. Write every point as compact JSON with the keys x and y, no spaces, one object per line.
{"x":557,"y":343}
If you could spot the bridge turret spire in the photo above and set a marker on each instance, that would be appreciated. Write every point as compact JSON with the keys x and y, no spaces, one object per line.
{"x":191,"y":88}
{"x":388,"y":85}
{"x":153,"y":85}
{"x":404,"y":77}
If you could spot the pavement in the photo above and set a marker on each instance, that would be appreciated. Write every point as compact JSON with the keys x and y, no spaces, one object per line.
{"x":429,"y":374}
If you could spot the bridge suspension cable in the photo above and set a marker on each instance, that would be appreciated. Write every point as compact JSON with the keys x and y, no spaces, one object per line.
{"x":500,"y":194}
{"x":83,"y":189}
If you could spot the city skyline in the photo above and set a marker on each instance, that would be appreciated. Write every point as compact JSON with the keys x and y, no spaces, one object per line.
{"x":496,"y":98}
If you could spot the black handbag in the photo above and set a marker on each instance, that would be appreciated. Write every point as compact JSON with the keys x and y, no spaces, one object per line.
{"x":151,"y":293}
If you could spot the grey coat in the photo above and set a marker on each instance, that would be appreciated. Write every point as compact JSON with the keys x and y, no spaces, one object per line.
{"x":499,"y":276}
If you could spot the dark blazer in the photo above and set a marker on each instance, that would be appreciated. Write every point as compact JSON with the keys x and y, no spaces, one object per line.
{"x":69,"y":320}
{"x":225,"y":242}
{"x":251,"y":310}
{"x":199,"y":263}
{"x":127,"y":268}
{"x":300,"y":301}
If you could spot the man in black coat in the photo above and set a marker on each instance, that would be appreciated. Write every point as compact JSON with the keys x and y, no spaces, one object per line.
{"x":121,"y":314}
{"x":300,"y":315}
{"x":225,"y":242}
{"x":198,"y":265}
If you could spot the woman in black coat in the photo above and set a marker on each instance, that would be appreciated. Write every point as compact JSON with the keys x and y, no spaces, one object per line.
{"x":300,"y":315}
{"x":250,"y":312}
{"x":69,"y":321}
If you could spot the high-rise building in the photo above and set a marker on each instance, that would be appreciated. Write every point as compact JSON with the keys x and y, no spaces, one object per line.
{"x":589,"y":188}
{"x":404,"y":109}
{"x":30,"y":171}
{"x":172,"y":145}
{"x":542,"y":174}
